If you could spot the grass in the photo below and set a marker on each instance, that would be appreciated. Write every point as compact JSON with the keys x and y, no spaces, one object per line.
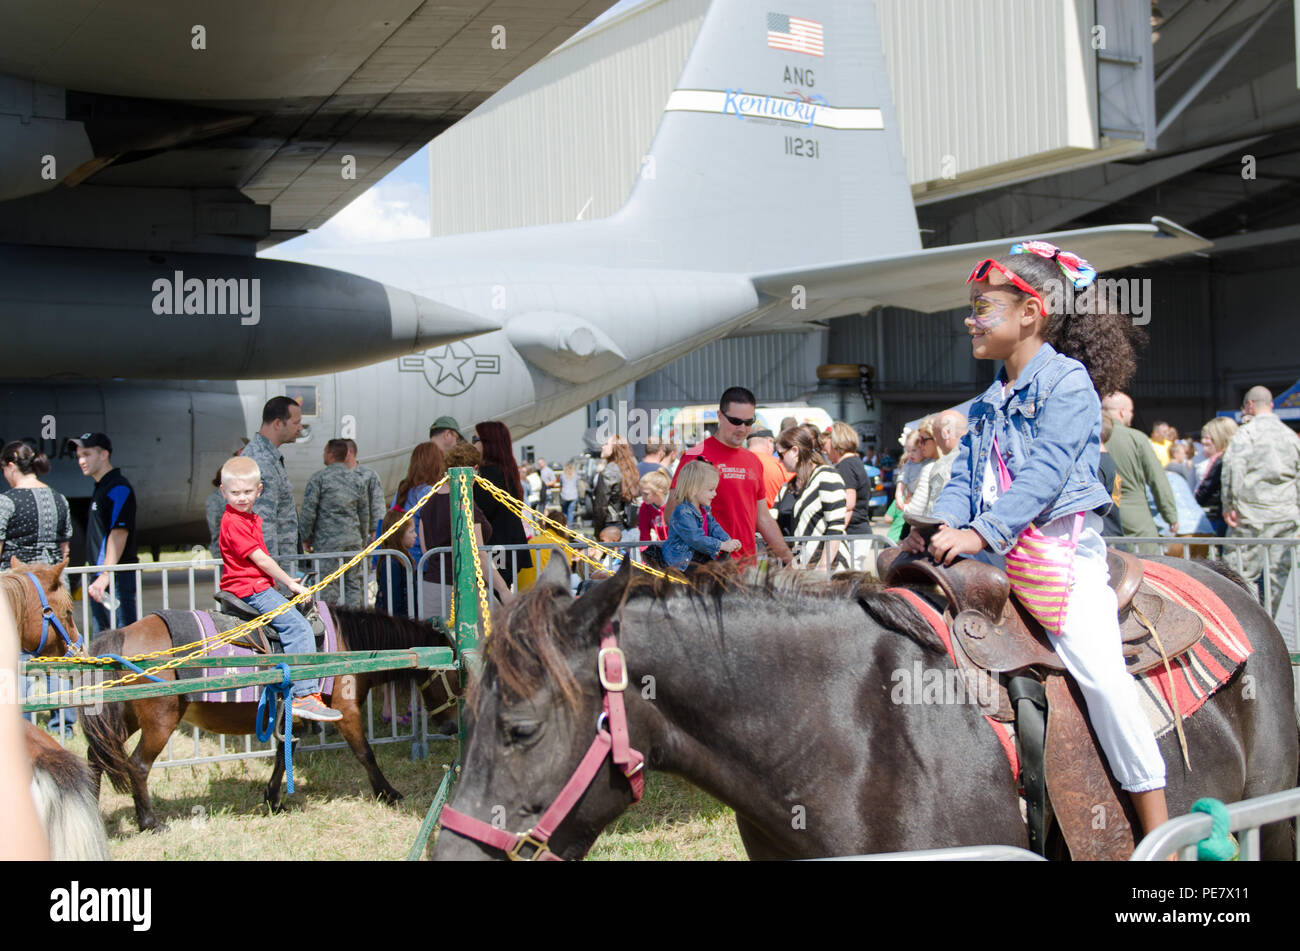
{"x":214,"y":811}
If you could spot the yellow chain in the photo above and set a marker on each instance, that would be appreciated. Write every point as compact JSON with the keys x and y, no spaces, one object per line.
{"x":484,"y":613}
{"x":208,"y":644}
{"x":519,"y":508}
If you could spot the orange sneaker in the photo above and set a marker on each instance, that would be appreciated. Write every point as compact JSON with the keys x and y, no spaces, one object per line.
{"x":311,"y":707}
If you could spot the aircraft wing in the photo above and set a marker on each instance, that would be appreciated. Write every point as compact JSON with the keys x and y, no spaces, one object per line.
{"x":931,"y":280}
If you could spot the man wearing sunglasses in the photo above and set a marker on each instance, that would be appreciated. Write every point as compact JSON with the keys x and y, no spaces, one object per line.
{"x":740,"y":506}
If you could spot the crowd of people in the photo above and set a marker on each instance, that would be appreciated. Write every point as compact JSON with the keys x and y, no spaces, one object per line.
{"x":741,"y":482}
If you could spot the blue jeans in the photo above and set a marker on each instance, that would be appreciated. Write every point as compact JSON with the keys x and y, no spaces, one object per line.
{"x":125,"y":613}
{"x":295,"y":633}
{"x":570,"y":508}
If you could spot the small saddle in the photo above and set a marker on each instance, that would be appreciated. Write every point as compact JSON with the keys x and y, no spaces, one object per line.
{"x":997,"y":634}
{"x":235,"y":606}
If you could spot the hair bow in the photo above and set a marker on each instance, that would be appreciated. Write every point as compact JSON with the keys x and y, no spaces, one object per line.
{"x":1079,"y":272}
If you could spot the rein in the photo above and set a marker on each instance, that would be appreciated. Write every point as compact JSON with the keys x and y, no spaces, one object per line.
{"x":49,"y":619}
{"x":611,"y":666}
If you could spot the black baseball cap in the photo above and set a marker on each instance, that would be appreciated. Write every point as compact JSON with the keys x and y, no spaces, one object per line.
{"x":93,"y":441}
{"x":759,"y":433}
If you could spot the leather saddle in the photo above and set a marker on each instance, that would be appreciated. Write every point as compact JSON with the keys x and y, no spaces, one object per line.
{"x":237,"y":607}
{"x":998,"y":635}
{"x":1062,"y":769}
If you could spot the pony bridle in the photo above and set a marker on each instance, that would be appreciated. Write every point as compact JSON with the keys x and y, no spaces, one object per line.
{"x":50,"y":619}
{"x":451,"y":693}
{"x":530,"y":846}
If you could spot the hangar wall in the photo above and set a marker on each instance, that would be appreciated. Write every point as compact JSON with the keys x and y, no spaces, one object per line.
{"x":565,"y":139}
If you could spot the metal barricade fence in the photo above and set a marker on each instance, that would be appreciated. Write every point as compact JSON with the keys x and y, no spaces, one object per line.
{"x":191,"y":584}
{"x":1244,"y":820}
{"x":157,"y":588}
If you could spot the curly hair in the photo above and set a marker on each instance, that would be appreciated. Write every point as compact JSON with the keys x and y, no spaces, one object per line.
{"x":1106,"y":343}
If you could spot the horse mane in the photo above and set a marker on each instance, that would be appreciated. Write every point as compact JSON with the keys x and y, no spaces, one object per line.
{"x":529,"y":648}
{"x":369,"y":630}
{"x":1222,"y":567}
{"x":796,"y":589}
{"x":15,"y":590}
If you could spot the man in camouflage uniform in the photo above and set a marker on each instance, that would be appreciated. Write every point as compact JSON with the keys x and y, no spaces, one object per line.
{"x":335,"y":510}
{"x":374,"y":488}
{"x":281,"y":424}
{"x":1261,"y":492}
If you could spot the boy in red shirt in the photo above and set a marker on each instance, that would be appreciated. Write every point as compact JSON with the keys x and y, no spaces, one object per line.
{"x":249,"y":572}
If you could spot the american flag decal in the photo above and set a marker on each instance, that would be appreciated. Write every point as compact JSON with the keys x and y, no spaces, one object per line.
{"x":794,"y":34}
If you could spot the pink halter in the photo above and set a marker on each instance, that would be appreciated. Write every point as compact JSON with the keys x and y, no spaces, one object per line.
{"x":611,"y":666}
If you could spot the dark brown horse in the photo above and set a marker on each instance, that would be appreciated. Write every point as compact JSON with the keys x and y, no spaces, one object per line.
{"x":157,"y":717}
{"x":779,"y":703}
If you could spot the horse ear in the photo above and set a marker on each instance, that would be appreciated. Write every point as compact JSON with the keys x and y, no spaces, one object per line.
{"x":556,"y":570}
{"x":17,"y":564}
{"x":590,"y":612}
{"x":58,"y":571}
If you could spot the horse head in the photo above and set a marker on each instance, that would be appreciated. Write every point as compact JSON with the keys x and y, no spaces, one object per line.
{"x":535,"y":710}
{"x":26,"y":601}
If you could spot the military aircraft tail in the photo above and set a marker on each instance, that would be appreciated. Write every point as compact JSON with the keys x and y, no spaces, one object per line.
{"x":778,"y":147}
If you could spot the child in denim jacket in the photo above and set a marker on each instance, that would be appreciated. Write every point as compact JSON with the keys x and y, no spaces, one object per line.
{"x":691,"y":527}
{"x":1045,"y":415}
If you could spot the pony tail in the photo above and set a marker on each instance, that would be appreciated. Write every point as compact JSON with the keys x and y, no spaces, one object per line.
{"x":1106,"y":343}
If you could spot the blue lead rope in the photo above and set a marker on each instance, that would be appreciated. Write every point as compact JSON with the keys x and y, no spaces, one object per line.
{"x":126,"y":663}
{"x":265,"y":716}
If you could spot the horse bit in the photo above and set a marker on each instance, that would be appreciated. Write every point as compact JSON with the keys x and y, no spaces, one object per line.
{"x":611,"y":667}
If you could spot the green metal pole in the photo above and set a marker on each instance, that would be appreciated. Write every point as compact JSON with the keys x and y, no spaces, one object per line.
{"x":431,"y":817}
{"x":464,"y":599}
{"x":464,"y":552}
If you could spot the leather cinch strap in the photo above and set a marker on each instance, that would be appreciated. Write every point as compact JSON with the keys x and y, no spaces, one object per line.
{"x":611,"y":666}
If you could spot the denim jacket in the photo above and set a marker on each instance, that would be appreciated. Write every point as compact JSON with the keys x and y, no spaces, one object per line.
{"x":1048,"y":429}
{"x":686,"y":534}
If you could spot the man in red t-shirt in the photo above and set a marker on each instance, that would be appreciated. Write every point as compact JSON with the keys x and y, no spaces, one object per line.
{"x":741,"y":503}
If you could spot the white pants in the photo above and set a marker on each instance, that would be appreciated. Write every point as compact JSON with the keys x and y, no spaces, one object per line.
{"x":1092,"y":652}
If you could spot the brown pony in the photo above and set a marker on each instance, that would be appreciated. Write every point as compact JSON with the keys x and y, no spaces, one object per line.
{"x":29,"y":613}
{"x":156,"y":717}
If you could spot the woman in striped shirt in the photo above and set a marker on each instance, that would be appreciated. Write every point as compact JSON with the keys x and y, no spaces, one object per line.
{"x":812,"y":503}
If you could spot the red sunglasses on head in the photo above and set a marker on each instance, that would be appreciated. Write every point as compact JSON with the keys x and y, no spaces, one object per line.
{"x":981,"y":270}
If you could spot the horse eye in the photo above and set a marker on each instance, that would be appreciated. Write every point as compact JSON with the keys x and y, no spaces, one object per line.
{"x":521,"y":731}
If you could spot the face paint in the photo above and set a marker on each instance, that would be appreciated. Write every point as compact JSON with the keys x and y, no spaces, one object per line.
{"x":987,"y":313}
